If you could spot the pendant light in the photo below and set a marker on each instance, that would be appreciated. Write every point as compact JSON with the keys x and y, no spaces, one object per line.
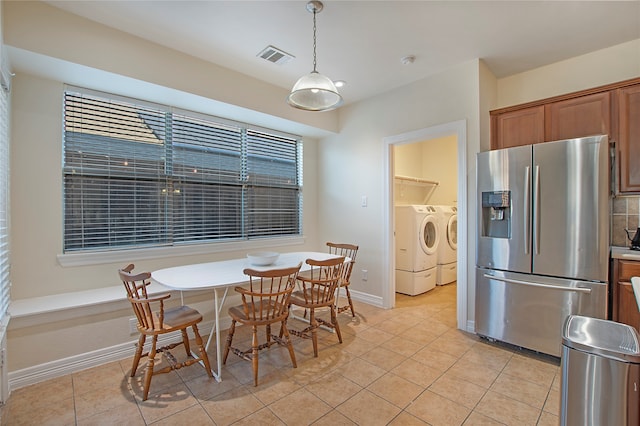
{"x":314,"y":91}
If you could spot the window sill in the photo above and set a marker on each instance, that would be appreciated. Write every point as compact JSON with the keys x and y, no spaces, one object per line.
{"x":59,"y":307}
{"x":115,"y":256}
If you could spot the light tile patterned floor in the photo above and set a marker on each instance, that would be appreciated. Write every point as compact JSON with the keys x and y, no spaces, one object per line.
{"x":406,"y":366}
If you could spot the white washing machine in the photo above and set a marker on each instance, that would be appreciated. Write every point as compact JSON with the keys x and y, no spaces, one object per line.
{"x":447,"y":270}
{"x":417,"y":240}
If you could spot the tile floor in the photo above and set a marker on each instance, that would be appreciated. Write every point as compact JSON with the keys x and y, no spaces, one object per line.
{"x":406,"y":366}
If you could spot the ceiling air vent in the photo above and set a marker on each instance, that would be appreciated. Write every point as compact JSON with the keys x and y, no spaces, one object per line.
{"x":275,"y":55}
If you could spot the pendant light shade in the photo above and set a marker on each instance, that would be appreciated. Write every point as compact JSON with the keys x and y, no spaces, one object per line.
{"x":314,"y":91}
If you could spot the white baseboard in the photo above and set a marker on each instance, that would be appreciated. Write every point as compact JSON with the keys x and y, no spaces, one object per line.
{"x":50,"y":370}
{"x":367,"y":298}
{"x":471,"y":326}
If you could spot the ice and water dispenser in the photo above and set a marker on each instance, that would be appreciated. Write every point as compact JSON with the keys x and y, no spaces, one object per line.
{"x":496,"y":214}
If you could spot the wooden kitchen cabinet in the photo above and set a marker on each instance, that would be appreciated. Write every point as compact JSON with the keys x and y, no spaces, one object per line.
{"x":563,"y":117}
{"x":629,"y":138}
{"x":577,"y":117}
{"x":613,"y":110}
{"x":515,"y":128}
{"x":625,"y":307}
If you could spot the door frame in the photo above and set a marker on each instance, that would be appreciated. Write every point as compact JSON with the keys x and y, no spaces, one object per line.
{"x":458,"y":128}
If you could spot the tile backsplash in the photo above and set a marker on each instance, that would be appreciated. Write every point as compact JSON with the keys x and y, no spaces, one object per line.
{"x":625,"y":212}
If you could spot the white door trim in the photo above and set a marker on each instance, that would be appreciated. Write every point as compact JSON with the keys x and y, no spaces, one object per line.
{"x":458,"y":128}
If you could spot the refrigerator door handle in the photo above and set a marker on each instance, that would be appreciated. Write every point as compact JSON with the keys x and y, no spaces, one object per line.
{"x":532,"y":284}
{"x":527,"y":204}
{"x":536,"y":211}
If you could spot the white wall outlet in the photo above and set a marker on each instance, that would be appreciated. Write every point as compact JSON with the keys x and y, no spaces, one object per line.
{"x":133,"y":325}
{"x":365,"y":275}
{"x":364,"y":201}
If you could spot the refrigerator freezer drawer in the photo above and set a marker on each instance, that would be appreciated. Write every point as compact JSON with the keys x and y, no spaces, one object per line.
{"x":530,"y":311}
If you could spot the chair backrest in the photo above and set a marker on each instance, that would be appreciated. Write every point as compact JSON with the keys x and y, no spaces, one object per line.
{"x":346,"y":250}
{"x":143,"y":306}
{"x":268,"y":294}
{"x":321,"y":282}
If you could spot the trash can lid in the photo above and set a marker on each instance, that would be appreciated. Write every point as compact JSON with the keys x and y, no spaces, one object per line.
{"x":602,"y":337}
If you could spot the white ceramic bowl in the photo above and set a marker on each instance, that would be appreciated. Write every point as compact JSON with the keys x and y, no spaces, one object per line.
{"x":262,"y":258}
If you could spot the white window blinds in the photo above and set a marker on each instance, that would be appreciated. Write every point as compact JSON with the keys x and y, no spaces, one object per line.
{"x":138,"y":174}
{"x":5,"y":282}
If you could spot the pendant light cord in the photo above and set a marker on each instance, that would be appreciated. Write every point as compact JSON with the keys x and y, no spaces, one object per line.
{"x":314,"y":40}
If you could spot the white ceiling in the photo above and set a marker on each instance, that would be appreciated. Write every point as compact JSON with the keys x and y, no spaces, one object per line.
{"x":362,"y":42}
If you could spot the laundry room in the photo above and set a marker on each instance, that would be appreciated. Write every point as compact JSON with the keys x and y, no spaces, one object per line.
{"x":425,"y":205}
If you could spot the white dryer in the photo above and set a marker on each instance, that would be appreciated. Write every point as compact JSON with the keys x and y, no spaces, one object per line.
{"x":447,"y":271}
{"x":417,"y":240}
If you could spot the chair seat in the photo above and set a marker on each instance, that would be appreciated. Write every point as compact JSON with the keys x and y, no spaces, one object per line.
{"x":178,"y":317}
{"x":298,"y":299}
{"x":174,"y":319}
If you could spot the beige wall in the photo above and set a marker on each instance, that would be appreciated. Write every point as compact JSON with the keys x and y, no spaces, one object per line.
{"x":617,"y":63}
{"x":488,"y":100}
{"x":435,"y":160}
{"x":440,"y":163}
{"x":408,"y":160}
{"x":351,"y":163}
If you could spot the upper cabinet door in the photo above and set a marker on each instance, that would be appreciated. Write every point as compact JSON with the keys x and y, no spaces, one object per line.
{"x":516,"y":128}
{"x":629,"y":138}
{"x":582,"y":116}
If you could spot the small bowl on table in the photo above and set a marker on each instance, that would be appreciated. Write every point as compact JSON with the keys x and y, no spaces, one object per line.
{"x":263,"y":258}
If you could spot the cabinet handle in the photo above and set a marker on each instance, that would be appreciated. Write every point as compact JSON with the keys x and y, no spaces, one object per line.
{"x":613,"y":166}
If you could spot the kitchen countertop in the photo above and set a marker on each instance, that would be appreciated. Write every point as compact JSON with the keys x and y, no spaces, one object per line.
{"x":624,"y":253}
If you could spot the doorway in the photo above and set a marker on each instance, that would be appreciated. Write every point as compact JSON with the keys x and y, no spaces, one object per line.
{"x":455,"y":129}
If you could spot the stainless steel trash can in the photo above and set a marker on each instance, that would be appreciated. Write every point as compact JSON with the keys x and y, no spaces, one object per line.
{"x":600,"y":383}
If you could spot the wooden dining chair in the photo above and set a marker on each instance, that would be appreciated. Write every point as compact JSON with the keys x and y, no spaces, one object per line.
{"x":154,"y":320}
{"x":318,"y":290}
{"x":265,"y":302}
{"x":350,"y":251}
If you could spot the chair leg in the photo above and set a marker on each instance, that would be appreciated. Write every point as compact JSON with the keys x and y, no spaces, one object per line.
{"x":353,"y":312}
{"x":232,"y":330}
{"x":148,"y":374}
{"x":268,"y":327}
{"x":285,"y":331}
{"x":334,"y":321}
{"x":202,"y":350}
{"x":138,"y":354}
{"x":254,"y":354}
{"x":185,"y":340}
{"x":281,"y":329}
{"x":314,"y":331}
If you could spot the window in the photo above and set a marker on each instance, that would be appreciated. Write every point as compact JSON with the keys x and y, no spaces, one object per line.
{"x":5,"y":283}
{"x":143,"y":175}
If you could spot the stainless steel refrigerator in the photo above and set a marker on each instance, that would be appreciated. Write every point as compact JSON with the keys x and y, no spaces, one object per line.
{"x":543,"y":243}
